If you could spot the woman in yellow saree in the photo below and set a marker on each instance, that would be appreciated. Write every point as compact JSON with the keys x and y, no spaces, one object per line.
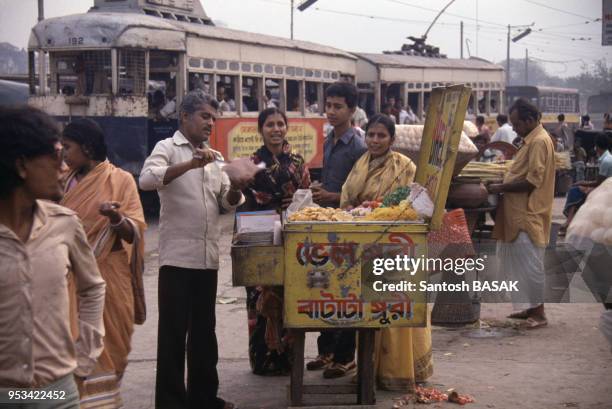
{"x":107,"y":202}
{"x":402,"y":355}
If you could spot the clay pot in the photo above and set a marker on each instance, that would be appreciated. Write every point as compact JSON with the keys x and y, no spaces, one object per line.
{"x":467,"y":193}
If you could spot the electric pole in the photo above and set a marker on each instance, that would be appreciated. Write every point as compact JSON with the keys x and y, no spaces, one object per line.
{"x":41,"y":10}
{"x":461,"y":41}
{"x":292,"y":19}
{"x":526,"y":66}
{"x":508,"y":59}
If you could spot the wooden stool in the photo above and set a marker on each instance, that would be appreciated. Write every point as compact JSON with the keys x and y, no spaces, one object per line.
{"x":364,"y":390}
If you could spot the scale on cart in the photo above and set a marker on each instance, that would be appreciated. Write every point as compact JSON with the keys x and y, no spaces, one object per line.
{"x":326,"y":267}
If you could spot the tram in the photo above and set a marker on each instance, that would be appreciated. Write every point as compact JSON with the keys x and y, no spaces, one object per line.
{"x":128,"y":63}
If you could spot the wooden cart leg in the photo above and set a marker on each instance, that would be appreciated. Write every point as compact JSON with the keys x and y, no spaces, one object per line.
{"x":297,"y":368}
{"x":365,"y":368}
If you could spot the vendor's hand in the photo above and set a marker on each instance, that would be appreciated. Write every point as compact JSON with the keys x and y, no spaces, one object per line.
{"x":201,"y":158}
{"x":111,"y":210}
{"x":286,"y":201}
{"x":241,"y":172}
{"x":495,"y":188}
{"x":585,"y":189}
{"x":320,"y":196}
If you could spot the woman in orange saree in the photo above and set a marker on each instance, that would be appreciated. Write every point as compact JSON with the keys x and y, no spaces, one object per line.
{"x":106,"y":199}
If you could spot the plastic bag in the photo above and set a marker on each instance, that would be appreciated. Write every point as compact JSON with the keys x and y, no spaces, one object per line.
{"x":301,"y":198}
{"x":241,"y":171}
{"x":420,"y":201}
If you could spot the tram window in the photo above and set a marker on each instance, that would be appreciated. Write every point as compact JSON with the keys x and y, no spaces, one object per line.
{"x":411,"y":85}
{"x":427,"y":85}
{"x":299,"y":72}
{"x":180,"y":17}
{"x":293,"y":95}
{"x":278,"y":70}
{"x":269,"y":69}
{"x":326,"y":74}
{"x":426,"y":102}
{"x":234,"y":66}
{"x":195,"y":20}
{"x":167,"y":15}
{"x":272,"y":94}
{"x":222,"y":65}
{"x":200,"y":81}
{"x":413,"y":101}
{"x":132,"y":72}
{"x":226,"y":93}
{"x":334,"y":75}
{"x":309,"y":73}
{"x":250,"y":94}
{"x":209,"y":64}
{"x":495,"y":98}
{"x":246,"y":67}
{"x":194,"y":62}
{"x":311,"y":97}
{"x":419,"y":85}
{"x":317,"y":74}
{"x":258,"y":68}
{"x":82,"y":73}
{"x":290,"y":71}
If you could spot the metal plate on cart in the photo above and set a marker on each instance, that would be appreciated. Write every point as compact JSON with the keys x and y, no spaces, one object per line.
{"x":257,"y":265}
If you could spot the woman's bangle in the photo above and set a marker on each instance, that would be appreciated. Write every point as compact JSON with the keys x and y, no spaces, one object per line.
{"x":119,"y":223}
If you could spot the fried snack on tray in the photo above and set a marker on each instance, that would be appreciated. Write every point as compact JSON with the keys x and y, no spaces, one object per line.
{"x":320,"y":214}
{"x":394,"y":213}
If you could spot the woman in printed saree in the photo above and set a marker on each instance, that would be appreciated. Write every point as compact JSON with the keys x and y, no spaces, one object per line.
{"x":402,"y":355}
{"x":107,"y":202}
{"x":273,"y":188}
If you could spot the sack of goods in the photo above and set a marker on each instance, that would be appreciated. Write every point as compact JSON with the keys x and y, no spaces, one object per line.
{"x":563,"y":161}
{"x":470,"y":129}
{"x":408,"y":142}
{"x":593,"y":221}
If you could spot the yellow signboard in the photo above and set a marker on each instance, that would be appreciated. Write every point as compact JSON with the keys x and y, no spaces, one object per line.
{"x":243,"y":139}
{"x":329,"y":280}
{"x":441,"y":135}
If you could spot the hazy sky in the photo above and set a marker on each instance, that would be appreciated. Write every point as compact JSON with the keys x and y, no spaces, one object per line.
{"x":377,"y":25}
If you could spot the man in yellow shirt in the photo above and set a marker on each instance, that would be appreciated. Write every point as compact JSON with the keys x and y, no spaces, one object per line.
{"x":522,"y":225}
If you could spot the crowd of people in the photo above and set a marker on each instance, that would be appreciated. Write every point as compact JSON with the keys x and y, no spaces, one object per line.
{"x":72,"y":229}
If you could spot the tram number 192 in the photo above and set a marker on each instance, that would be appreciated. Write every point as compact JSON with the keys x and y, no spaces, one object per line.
{"x":75,"y":40}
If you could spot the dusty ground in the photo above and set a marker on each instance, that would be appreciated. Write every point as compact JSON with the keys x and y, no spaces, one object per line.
{"x":566,"y":365}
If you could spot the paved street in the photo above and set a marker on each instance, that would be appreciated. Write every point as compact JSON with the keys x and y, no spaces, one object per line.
{"x":567,"y":364}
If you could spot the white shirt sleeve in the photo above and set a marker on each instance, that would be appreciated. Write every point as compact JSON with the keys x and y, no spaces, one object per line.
{"x":155,"y":167}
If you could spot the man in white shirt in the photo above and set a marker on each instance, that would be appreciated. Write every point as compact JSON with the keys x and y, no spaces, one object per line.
{"x":42,"y":248}
{"x":360,"y":117}
{"x":504,"y":133}
{"x":192,"y":190}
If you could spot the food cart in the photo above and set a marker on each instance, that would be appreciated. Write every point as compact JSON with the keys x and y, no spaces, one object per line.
{"x":326,"y":267}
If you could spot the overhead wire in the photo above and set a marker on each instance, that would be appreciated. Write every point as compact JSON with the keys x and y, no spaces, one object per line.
{"x":558,"y":10}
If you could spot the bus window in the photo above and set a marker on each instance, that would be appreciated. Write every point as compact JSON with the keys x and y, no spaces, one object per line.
{"x":272,"y":93}
{"x":131,"y":72}
{"x":293,"y":96}
{"x":81,"y":73}
{"x":312,"y":97}
{"x":251,"y":94}
{"x":226,"y":93}
{"x":201,"y":81}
